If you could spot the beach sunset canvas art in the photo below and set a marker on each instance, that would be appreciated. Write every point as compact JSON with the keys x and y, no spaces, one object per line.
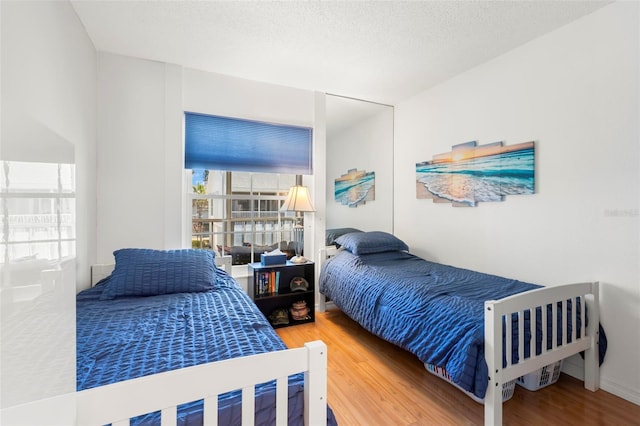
{"x":473,"y":173}
{"x":355,"y":187}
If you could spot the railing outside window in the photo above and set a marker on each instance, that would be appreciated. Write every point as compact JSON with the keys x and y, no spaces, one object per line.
{"x":243,"y":222}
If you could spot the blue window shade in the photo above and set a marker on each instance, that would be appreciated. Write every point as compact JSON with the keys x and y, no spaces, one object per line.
{"x":231,"y":144}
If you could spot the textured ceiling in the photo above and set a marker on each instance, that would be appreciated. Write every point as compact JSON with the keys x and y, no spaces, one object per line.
{"x":382,"y":51}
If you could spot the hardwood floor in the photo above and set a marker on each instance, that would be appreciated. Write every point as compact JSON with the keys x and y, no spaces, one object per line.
{"x":372,"y":382}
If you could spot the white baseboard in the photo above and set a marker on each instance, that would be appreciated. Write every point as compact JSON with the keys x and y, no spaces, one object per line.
{"x":630,"y":395}
{"x":328,"y":305}
{"x":574,"y":366}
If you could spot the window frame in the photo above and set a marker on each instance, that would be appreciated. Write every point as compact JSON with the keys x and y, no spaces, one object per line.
{"x":257,"y":237}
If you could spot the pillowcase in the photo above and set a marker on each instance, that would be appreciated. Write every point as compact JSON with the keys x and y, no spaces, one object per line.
{"x":371,"y":242}
{"x":333,"y":234}
{"x":147,"y":272}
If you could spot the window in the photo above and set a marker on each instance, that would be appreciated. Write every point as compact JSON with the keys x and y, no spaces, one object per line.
{"x":237,"y":213}
{"x":38,"y":211}
{"x":241,"y":172}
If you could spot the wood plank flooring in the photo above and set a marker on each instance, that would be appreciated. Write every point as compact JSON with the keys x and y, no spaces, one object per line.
{"x":372,"y":382}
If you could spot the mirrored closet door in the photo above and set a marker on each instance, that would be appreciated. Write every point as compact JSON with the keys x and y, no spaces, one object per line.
{"x":359,"y":164}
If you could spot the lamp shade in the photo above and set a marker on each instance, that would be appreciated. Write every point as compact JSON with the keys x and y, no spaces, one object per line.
{"x":298,"y":200}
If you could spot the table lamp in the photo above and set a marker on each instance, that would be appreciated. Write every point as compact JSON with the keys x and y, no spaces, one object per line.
{"x":298,"y":201}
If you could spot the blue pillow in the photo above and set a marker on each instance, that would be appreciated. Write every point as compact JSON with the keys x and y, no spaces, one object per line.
{"x":147,"y":272}
{"x":334,"y":233}
{"x":371,"y":242}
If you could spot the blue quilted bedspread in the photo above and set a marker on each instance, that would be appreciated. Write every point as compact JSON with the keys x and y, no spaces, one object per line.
{"x":434,"y":311}
{"x":131,"y":337}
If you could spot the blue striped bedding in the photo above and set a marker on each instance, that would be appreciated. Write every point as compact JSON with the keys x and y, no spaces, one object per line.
{"x":130,"y":337}
{"x":434,"y":311}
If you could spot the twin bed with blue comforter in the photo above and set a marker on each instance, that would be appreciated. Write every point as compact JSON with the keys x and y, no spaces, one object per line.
{"x":437,"y":312}
{"x":166,"y":310}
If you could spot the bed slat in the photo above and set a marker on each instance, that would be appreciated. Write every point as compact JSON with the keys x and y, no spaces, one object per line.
{"x":565,"y":322}
{"x":543,"y":342}
{"x":281,"y":398}
{"x":521,"y":336}
{"x":508,"y":336}
{"x":168,"y":416}
{"x":248,"y":406}
{"x":583,"y":313}
{"x":554,"y":330}
{"x":210,"y":415}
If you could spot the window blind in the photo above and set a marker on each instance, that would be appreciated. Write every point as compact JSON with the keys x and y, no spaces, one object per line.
{"x":233,"y":144}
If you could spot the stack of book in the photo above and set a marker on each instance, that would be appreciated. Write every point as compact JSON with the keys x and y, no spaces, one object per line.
{"x":266,"y":283}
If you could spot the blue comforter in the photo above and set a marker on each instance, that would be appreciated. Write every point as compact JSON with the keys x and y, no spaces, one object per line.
{"x":434,"y":311}
{"x":132,"y":337}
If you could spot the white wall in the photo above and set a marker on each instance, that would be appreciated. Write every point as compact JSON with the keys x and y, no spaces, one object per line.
{"x":131,"y":154}
{"x":366,"y":145}
{"x":217,"y":94}
{"x":574,"y":91}
{"x":48,"y":116}
{"x":141,"y":199}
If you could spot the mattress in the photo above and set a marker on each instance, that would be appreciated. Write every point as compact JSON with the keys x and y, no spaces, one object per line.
{"x":131,"y":337}
{"x":434,"y":311}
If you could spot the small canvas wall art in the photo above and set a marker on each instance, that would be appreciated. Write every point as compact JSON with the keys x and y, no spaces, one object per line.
{"x":355,"y":187}
{"x":473,"y":173}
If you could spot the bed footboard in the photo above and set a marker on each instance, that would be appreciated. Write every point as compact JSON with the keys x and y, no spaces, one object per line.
{"x":536,"y":303}
{"x":118,"y":402}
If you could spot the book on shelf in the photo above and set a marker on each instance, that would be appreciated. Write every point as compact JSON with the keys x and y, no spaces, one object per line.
{"x":266,"y":283}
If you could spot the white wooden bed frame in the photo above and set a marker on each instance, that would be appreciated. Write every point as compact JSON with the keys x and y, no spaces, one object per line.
{"x":496,"y":310}
{"x":207,"y":381}
{"x":117,"y":403}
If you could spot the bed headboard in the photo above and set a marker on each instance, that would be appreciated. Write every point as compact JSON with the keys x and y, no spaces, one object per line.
{"x":100,"y":271}
{"x":325,"y":253}
{"x":103,"y":270}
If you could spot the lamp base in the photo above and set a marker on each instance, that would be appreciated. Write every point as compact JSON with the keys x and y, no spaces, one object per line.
{"x":298,"y":259}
